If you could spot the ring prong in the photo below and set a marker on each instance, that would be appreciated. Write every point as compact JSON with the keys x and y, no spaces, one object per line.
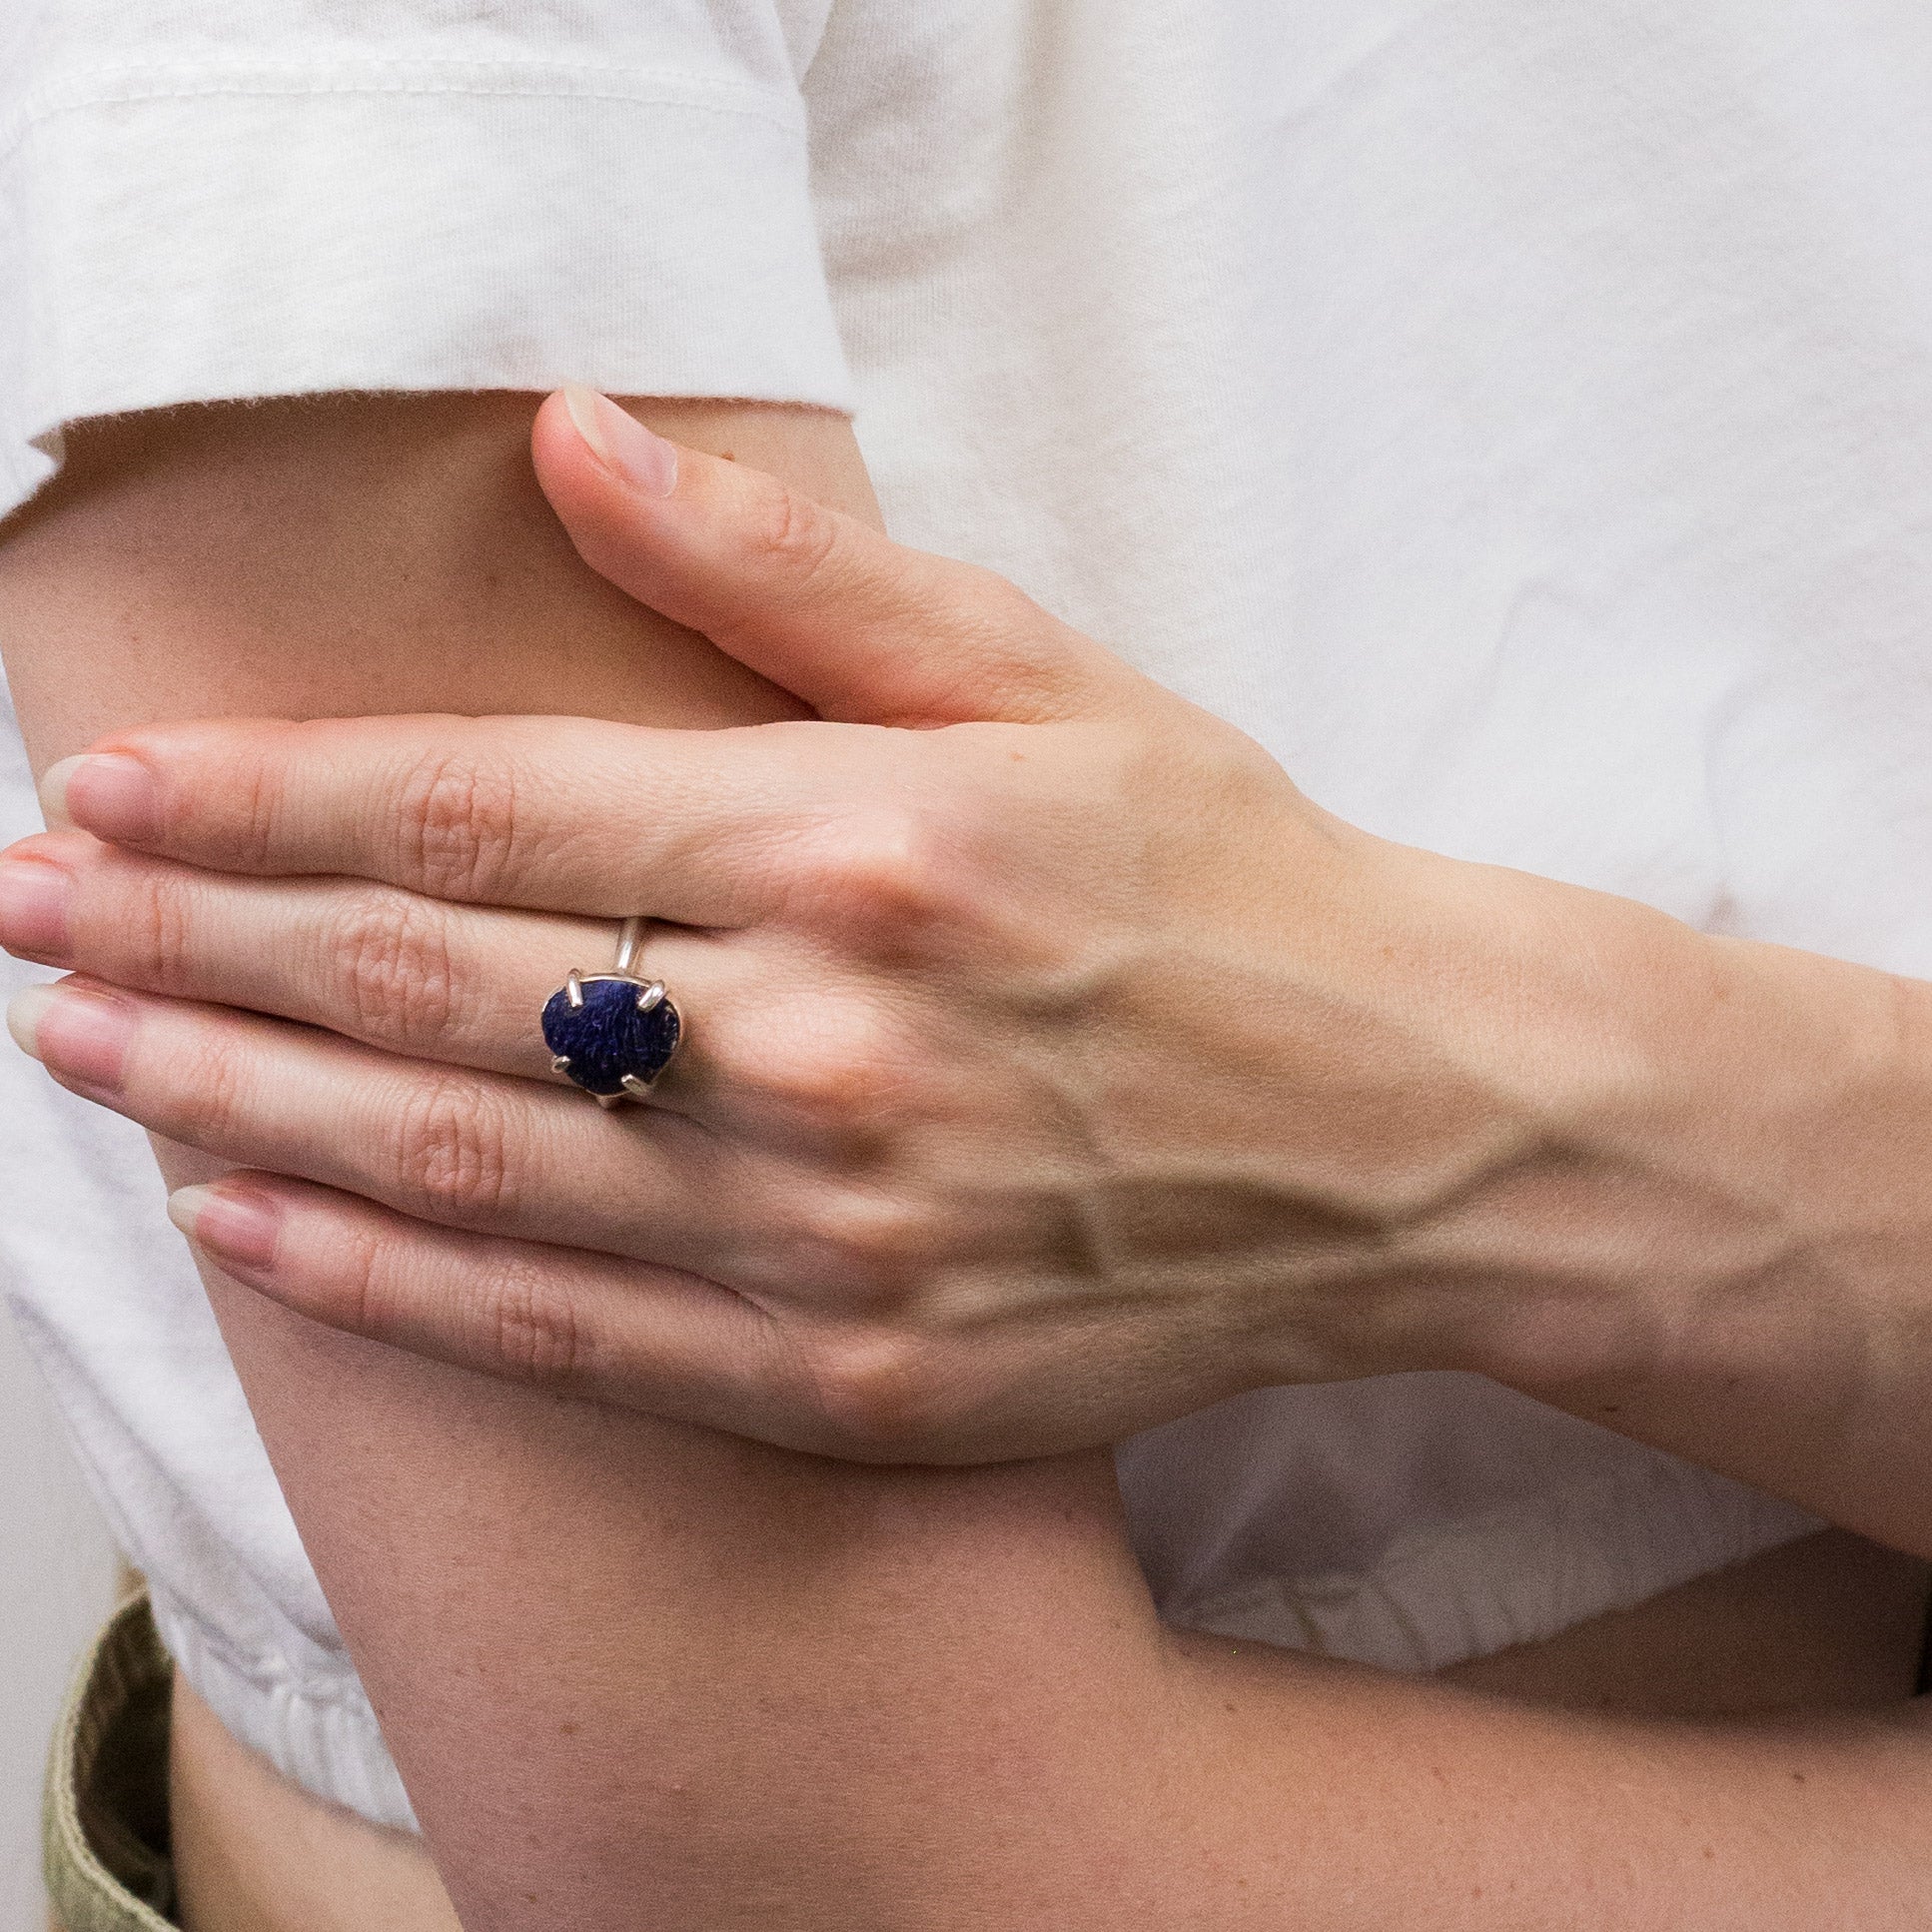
{"x":573,"y":987}
{"x":560,"y":1063}
{"x":652,"y":995}
{"x":636,"y":1088}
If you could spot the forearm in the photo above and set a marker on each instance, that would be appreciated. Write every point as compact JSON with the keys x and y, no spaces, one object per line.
{"x":1676,"y":1185}
{"x":623,"y":1660}
{"x":1391,"y":1803}
{"x":1424,"y":1114}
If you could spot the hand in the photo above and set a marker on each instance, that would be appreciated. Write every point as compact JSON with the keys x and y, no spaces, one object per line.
{"x":1053,"y":1067}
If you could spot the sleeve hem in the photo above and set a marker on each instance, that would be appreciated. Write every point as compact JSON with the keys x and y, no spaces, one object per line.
{"x":474,"y":226}
{"x":83,"y":89}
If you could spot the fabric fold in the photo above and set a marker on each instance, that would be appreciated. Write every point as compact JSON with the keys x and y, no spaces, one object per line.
{"x":250,"y":230}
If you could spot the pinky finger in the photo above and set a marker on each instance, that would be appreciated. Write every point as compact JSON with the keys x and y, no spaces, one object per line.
{"x":562,"y":1320}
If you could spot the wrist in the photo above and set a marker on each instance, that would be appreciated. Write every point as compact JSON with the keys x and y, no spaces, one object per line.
{"x":1567,"y":1129}
{"x":1670,"y":1181}
{"x":1712,"y":1145}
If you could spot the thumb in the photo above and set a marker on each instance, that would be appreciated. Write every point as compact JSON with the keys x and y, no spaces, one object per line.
{"x":861,"y":628}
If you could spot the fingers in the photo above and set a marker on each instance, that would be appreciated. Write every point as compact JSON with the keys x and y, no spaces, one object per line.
{"x":559,"y":1320}
{"x":546,"y":814}
{"x":780,"y":1052}
{"x":860,"y":627}
{"x":372,"y":962}
{"x":458,"y":1149}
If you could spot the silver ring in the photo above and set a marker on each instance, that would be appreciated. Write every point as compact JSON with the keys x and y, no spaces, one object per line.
{"x":613,"y":1034}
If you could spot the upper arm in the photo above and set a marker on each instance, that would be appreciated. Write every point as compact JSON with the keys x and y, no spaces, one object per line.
{"x":579,"y":1628}
{"x":351,"y":556}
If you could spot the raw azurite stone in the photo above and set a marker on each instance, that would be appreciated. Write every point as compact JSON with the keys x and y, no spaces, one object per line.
{"x":606,"y":1037}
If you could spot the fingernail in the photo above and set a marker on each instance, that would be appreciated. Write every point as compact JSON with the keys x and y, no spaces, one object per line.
{"x":34,"y":897}
{"x":73,"y":1031}
{"x":107,"y":793}
{"x":620,"y":443}
{"x":237,"y":1225}
{"x":23,"y":1017}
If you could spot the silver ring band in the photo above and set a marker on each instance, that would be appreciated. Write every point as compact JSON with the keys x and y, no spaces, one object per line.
{"x":630,"y":942}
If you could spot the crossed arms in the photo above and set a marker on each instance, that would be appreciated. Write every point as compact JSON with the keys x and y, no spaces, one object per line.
{"x":772,"y":1688}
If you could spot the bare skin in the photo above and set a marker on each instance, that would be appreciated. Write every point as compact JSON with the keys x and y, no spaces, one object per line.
{"x":255,"y":1853}
{"x":778,"y":1690}
{"x":1830,"y":1622}
{"x":1020,"y":1115}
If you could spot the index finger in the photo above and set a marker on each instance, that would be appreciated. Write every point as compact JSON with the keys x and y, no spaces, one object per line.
{"x":548,"y":814}
{"x":820,"y":604}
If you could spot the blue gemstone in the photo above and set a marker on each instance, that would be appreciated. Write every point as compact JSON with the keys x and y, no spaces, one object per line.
{"x":606,"y":1037}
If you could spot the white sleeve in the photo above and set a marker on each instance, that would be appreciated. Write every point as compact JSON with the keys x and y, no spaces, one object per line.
{"x":210,"y":199}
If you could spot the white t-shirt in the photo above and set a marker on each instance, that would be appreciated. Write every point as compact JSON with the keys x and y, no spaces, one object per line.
{"x":1519,"y":418}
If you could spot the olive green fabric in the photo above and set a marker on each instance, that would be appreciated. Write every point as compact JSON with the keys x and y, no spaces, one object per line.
{"x":104,"y":1824}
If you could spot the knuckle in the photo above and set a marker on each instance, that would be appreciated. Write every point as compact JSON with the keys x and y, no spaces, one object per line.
{"x":886,"y":879}
{"x":393,"y":968}
{"x":456,"y":818}
{"x":1000,"y":608}
{"x":361,"y":1291}
{"x":535,"y":1334}
{"x":874,"y":1251}
{"x":791,"y":533}
{"x":452,"y":1156}
{"x":210,"y":1102}
{"x":160,"y":930}
{"x":880,"y":1390}
{"x":838,"y":1080}
{"x":252,"y":798}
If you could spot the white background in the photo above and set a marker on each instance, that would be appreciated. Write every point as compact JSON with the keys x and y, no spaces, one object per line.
{"x":57,"y":1570}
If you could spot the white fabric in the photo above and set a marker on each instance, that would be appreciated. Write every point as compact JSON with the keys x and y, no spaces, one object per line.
{"x":220,"y":198}
{"x":1517,"y":417}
